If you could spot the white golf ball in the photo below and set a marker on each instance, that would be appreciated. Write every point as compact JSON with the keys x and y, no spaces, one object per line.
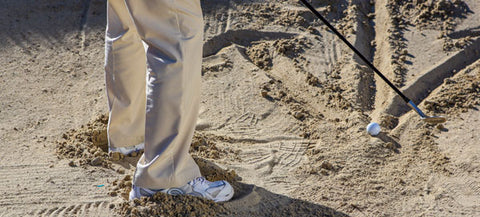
{"x":373,"y":129}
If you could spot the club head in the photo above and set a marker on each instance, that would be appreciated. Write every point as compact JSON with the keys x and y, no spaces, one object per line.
{"x":428,"y":119}
{"x":434,"y":119}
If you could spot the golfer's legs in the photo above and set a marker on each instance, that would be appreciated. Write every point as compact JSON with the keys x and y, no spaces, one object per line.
{"x":172,"y":32}
{"x":125,"y":68}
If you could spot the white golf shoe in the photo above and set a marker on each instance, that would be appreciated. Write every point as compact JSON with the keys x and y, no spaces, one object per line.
{"x":218,"y":191}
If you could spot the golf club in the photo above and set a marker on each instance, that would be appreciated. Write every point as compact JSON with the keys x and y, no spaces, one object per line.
{"x":428,"y":119}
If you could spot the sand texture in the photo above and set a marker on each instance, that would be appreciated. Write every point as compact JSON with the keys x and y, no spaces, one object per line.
{"x":283,"y":111}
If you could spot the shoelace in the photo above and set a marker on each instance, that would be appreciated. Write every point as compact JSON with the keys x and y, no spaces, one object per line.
{"x":201,"y":180}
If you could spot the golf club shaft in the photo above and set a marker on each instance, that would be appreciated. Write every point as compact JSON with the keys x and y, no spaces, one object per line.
{"x":314,"y":11}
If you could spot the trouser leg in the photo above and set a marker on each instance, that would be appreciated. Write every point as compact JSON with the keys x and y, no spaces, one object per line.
{"x":172,"y":32}
{"x":125,"y":71}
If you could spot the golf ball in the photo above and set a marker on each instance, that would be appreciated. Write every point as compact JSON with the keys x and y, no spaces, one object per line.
{"x":373,"y":129}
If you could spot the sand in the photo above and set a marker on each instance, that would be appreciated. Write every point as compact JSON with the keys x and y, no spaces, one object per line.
{"x":283,"y":112}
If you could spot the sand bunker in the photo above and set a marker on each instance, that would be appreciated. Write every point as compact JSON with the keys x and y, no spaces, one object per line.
{"x":283,"y":111}
{"x":276,"y":118}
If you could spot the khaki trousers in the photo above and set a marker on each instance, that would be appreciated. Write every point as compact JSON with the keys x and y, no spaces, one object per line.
{"x":153,"y":74}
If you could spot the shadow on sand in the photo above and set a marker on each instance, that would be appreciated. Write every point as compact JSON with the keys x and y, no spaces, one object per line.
{"x":251,"y":200}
